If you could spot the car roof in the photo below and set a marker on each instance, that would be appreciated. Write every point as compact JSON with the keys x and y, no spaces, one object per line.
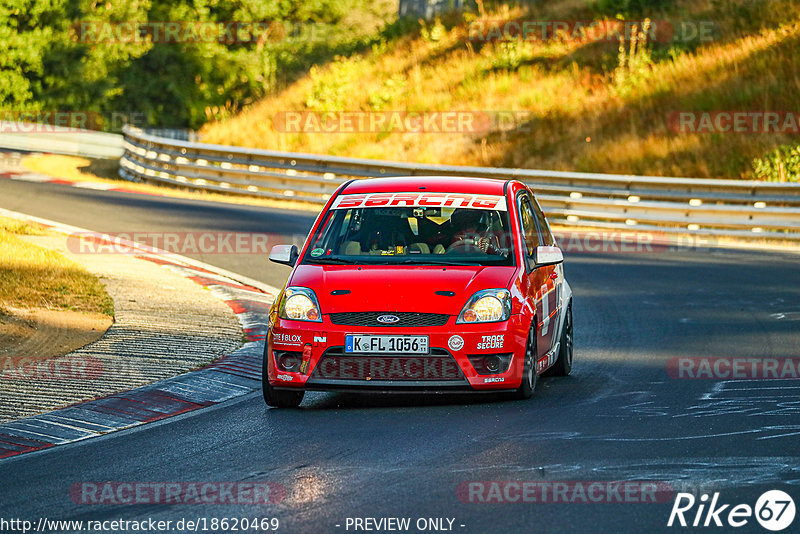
{"x":434,"y":184}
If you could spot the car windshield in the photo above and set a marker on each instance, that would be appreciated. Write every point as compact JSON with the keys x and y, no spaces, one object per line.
{"x":422,"y":235}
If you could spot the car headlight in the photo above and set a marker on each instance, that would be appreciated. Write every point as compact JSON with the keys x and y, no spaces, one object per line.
{"x":300,"y":304}
{"x":487,"y":306}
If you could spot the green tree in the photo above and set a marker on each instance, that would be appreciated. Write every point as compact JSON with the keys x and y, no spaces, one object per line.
{"x":50,"y":60}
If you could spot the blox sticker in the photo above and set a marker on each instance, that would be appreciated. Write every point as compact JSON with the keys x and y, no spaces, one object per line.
{"x":287,"y":339}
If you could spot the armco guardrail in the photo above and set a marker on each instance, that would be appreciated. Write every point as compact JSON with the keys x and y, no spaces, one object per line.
{"x":34,"y":137}
{"x":685,"y":205}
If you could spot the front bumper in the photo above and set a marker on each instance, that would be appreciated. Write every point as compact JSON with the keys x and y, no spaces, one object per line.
{"x":447,"y":367}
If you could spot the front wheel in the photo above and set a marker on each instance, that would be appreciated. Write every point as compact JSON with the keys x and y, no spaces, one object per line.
{"x":278,"y":398}
{"x":529,"y":376}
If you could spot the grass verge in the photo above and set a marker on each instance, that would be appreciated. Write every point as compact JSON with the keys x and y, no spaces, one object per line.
{"x":35,"y":277}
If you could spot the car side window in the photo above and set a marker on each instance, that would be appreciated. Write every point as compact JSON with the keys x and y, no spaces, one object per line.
{"x":530,"y":235}
{"x":545,"y":235}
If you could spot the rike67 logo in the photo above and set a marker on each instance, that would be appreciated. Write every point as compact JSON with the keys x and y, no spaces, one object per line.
{"x":774,"y":510}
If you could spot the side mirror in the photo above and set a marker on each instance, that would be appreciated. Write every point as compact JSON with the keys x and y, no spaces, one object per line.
{"x":284,"y":254}
{"x":548,"y":256}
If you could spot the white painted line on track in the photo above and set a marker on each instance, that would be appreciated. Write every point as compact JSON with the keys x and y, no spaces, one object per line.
{"x":146,"y":249}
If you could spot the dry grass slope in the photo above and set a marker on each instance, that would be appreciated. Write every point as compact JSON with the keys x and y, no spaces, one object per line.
{"x":585,"y":113}
{"x":35,"y":277}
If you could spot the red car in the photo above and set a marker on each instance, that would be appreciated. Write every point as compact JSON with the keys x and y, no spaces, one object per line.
{"x":432,"y":284}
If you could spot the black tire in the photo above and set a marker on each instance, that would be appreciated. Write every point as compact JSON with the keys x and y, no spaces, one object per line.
{"x":563,"y":365}
{"x":278,"y":398}
{"x":529,"y":376}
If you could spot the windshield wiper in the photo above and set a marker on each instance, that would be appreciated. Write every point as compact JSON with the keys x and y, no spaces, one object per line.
{"x":327,"y":260}
{"x":438,"y":262}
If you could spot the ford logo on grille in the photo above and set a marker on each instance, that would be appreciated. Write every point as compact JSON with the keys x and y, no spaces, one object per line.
{"x":388,"y":319}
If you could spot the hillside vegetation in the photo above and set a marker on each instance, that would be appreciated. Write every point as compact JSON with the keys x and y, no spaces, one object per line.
{"x":589,"y":105}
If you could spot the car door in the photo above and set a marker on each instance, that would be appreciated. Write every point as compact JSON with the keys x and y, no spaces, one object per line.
{"x":553,"y":279}
{"x":536,"y":281}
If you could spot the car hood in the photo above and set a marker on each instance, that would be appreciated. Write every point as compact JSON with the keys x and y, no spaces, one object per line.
{"x":397,"y":288}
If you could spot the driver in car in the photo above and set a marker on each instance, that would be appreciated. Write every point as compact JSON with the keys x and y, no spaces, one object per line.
{"x":472,"y":233}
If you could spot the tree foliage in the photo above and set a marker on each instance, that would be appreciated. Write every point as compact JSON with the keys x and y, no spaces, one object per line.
{"x":48,"y":63}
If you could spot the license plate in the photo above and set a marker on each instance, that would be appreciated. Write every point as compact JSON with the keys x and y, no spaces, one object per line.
{"x":355,"y":343}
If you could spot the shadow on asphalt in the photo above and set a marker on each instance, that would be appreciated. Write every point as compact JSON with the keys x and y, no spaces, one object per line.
{"x":353,"y":400}
{"x":340,"y":401}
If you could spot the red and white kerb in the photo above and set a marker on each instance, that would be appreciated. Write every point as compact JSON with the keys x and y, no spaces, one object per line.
{"x":421,"y":200}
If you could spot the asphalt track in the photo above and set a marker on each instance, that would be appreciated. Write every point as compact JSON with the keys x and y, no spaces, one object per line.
{"x":619,"y":417}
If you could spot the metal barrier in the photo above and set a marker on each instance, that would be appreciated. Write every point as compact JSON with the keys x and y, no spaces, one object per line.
{"x":685,"y":205}
{"x":34,"y":137}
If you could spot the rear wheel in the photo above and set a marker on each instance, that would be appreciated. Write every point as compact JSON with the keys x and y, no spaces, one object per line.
{"x":278,"y":398}
{"x":563,"y":365}
{"x":529,"y":376}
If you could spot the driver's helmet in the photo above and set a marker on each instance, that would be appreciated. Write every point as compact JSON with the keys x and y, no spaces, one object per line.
{"x":464,"y":219}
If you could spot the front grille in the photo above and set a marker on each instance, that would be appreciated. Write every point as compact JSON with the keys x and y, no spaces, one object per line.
{"x":406,"y":319}
{"x":336,"y":365}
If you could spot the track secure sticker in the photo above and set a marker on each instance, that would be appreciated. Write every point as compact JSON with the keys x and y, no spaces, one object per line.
{"x":492,"y":342}
{"x":455,"y":343}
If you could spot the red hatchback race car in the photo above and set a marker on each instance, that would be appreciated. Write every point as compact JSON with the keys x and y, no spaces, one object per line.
{"x":429,"y":284}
